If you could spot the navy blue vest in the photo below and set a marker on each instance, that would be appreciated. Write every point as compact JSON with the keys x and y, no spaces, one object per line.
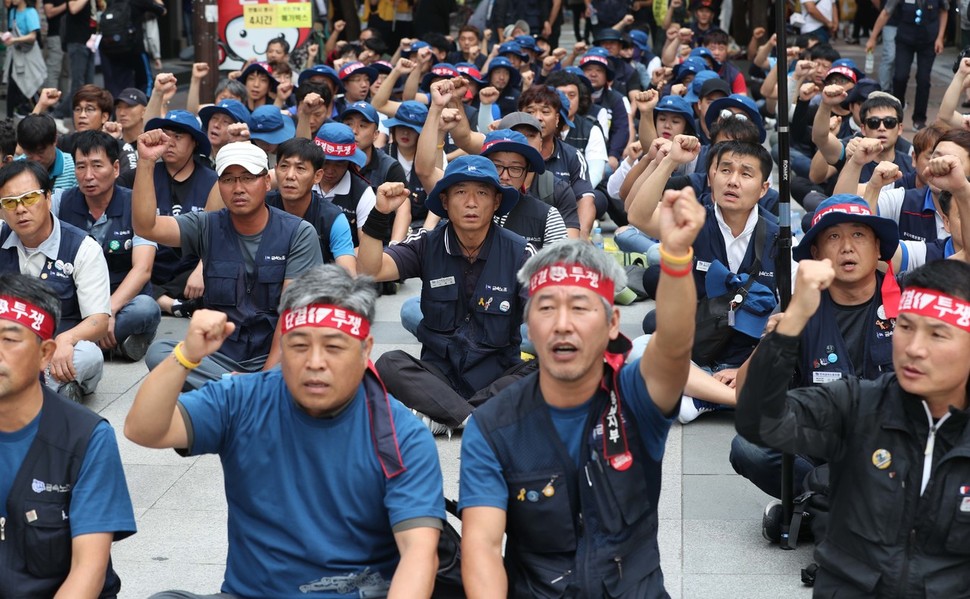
{"x":821,"y":340}
{"x":419,"y":195}
{"x":376,"y":171}
{"x":473,"y":343}
{"x":936,"y":250}
{"x":914,"y":222}
{"x":320,"y":213}
{"x":57,"y":274}
{"x":901,"y":159}
{"x":36,"y":557}
{"x":118,"y":239}
{"x":926,"y":30}
{"x":597,"y":528}
{"x":528,"y":219}
{"x":578,"y":136}
{"x":348,"y":203}
{"x":170,"y":262}
{"x":250,"y":300}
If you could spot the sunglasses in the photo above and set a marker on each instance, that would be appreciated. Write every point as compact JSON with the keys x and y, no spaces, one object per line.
{"x":28,"y":199}
{"x":727,"y":113}
{"x":873,"y":122}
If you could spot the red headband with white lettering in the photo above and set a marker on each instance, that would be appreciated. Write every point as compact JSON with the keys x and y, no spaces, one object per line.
{"x":843,"y":208}
{"x":327,"y":316}
{"x":936,"y":304}
{"x":34,"y":318}
{"x":572,"y":274}
{"x":332,"y":149}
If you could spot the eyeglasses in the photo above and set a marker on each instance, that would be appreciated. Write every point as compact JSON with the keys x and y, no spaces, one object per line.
{"x":86,"y":109}
{"x":873,"y":122}
{"x":727,"y":113}
{"x":247,"y":179}
{"x":28,"y":199}
{"x":514,"y":171}
{"x":919,"y":15}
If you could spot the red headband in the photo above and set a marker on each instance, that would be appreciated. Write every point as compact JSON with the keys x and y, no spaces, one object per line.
{"x":938,"y":305}
{"x":572,"y":274}
{"x":844,"y":208}
{"x":332,"y":149}
{"x":24,"y":313}
{"x":324,"y":315}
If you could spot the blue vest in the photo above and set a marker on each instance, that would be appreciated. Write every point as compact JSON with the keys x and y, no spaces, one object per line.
{"x":118,"y":239}
{"x":169,"y":261}
{"x":935,"y":250}
{"x":821,"y":340}
{"x":249,"y":300}
{"x":36,"y":557}
{"x":54,"y":272}
{"x":597,"y":530}
{"x":528,"y":219}
{"x":471,"y":343}
{"x":901,"y":159}
{"x":419,"y":195}
{"x":320,"y":213}
{"x":348,"y":203}
{"x":578,"y":136}
{"x":926,"y":30}
{"x":916,"y":222}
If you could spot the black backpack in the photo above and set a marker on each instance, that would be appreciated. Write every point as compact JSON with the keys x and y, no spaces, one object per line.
{"x":118,"y":31}
{"x":447,"y":582}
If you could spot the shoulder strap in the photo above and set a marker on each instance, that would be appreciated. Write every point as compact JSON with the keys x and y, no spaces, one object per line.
{"x":760,"y":233}
{"x":546,"y":185}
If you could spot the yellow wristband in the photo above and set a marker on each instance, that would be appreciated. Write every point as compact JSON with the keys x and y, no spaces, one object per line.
{"x":677,"y":260}
{"x":441,"y":146}
{"x":181,"y":359}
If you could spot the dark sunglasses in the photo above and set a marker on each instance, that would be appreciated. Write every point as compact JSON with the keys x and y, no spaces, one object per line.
{"x":873,"y":122}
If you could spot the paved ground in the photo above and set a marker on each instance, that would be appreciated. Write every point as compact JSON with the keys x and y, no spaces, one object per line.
{"x":710,"y":518}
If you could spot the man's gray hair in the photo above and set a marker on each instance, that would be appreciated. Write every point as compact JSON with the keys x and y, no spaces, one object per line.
{"x":572,"y":251}
{"x":331,"y":284}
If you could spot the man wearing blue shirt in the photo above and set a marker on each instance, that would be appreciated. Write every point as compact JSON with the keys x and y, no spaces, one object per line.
{"x":316,"y":444}
{"x":63,"y":497}
{"x":566,"y":462}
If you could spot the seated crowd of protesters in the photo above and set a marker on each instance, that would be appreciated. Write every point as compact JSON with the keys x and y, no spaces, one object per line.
{"x":274,"y":214}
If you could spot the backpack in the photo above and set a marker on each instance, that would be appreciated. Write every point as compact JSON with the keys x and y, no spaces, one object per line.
{"x":118,"y":32}
{"x":810,"y":517}
{"x":447,"y":582}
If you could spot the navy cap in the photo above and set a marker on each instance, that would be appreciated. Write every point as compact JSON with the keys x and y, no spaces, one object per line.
{"x":382,"y":67}
{"x":364,"y":109}
{"x":270,"y":125}
{"x":185,"y":121}
{"x":527,"y":42}
{"x":598,"y":57}
{"x":470,"y":71}
{"x":410,"y":114}
{"x":470,"y":168}
{"x":356,"y":68}
{"x":610,"y":35}
{"x":321,"y":70}
{"x":741,"y":102}
{"x":515,"y":78}
{"x":132,"y":97}
{"x":442,"y":70}
{"x":704,"y":83}
{"x":849,"y":64}
{"x":512,"y":48}
{"x":339,"y":144}
{"x":690,"y":66}
{"x":234,"y":109}
{"x":507,"y":140}
{"x":705,"y":54}
{"x":848,"y":208}
{"x":260,"y":67}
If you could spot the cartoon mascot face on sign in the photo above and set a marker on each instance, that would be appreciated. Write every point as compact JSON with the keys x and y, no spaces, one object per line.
{"x":238,"y":44}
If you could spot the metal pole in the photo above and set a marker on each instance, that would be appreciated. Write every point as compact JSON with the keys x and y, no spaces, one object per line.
{"x":205,"y":25}
{"x":783,"y":264}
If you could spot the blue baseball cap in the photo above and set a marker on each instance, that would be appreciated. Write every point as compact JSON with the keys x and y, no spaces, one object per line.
{"x":690,"y":66}
{"x":705,"y":53}
{"x":848,"y":208}
{"x":185,"y":121}
{"x":471,"y":168}
{"x":356,"y":68}
{"x":512,"y":48}
{"x":757,"y":304}
{"x":470,"y":71}
{"x":600,"y":58}
{"x":442,"y":70}
{"x":321,"y":70}
{"x":515,"y":78}
{"x":338,"y":143}
{"x":234,"y":109}
{"x":739,"y":101}
{"x":415,"y":46}
{"x":851,"y":65}
{"x":410,"y":114}
{"x":507,"y":140}
{"x":270,"y":125}
{"x":704,"y":83}
{"x":260,"y":67}
{"x":564,"y":109}
{"x":382,"y":67}
{"x":527,"y":42}
{"x":364,"y":109}
{"x":674,"y":104}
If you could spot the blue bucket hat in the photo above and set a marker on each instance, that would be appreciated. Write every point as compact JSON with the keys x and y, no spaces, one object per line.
{"x":674,"y":104}
{"x":234,"y":109}
{"x":757,"y":302}
{"x":439,"y":71}
{"x":183,"y":120}
{"x":260,"y":67}
{"x":690,"y":66}
{"x":695,"y":91}
{"x":610,"y":35}
{"x":741,"y":102}
{"x":364,"y":109}
{"x":507,"y":140}
{"x":564,"y":107}
{"x":848,"y":208}
{"x":321,"y":70}
{"x":527,"y":42}
{"x":270,"y":125}
{"x":704,"y":53}
{"x":582,"y":76}
{"x":512,"y":48}
{"x":356,"y":68}
{"x":598,"y":57}
{"x":338,"y":143}
{"x":640,"y":39}
{"x":515,"y":78}
{"x":471,"y":168}
{"x":410,"y":114}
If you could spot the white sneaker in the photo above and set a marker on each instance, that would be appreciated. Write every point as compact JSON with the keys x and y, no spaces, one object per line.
{"x":436,"y":428}
{"x":691,"y":408}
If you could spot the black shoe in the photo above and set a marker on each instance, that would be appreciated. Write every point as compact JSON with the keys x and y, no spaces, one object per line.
{"x":136,"y":346}
{"x":72,"y":391}
{"x":919,"y":125}
{"x":185,"y":308}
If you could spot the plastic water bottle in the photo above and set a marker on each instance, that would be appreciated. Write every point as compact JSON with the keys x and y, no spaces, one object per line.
{"x":597,"y":238}
{"x":870,"y":62}
{"x":796,"y":223}
{"x":594,"y":20}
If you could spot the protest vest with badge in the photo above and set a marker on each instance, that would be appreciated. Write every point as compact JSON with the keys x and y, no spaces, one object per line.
{"x":169,"y":261}
{"x":35,"y":559}
{"x":528,"y":218}
{"x":574,"y":530}
{"x":824,"y":354}
{"x":919,"y":21}
{"x":914,"y":222}
{"x":472,"y":343}
{"x":57,"y":273}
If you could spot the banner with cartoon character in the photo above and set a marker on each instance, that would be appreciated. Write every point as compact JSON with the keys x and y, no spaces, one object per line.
{"x":246,"y":28}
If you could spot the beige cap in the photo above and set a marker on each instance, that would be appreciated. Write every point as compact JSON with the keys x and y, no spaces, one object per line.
{"x":244,"y":154}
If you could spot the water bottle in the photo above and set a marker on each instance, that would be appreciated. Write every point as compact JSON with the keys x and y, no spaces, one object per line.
{"x":597,"y":238}
{"x":796,"y":223}
{"x":593,"y":19}
{"x":870,"y":62}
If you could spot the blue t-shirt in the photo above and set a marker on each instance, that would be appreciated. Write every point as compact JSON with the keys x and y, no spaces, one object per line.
{"x":341,"y":242}
{"x":99,"y":501}
{"x":481,"y":483}
{"x":27,"y":20}
{"x":310,"y":510}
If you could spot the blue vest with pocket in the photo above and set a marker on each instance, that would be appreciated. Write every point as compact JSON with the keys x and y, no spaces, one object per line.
{"x":595,"y":534}
{"x":320,"y":213}
{"x":170,"y":262}
{"x":472,"y":343}
{"x":251,"y":300}
{"x":36,"y":557}
{"x":118,"y":239}
{"x":822,"y":339}
{"x":348,"y":203}
{"x":914,"y":222}
{"x":55,"y":272}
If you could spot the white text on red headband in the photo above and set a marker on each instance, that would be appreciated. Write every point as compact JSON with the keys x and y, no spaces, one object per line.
{"x":843,"y":208}
{"x":336,"y":149}
{"x":326,"y":316}
{"x":34,"y":318}
{"x":935,"y":304}
{"x":572,"y":274}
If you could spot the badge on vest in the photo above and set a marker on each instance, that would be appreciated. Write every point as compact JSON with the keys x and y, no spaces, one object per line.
{"x":442,"y":282}
{"x":821,"y":377}
{"x":703,"y":266}
{"x":965,"y":504}
{"x":882,"y":459}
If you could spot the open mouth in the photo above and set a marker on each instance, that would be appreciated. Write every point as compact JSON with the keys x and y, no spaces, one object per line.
{"x":564,"y":349}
